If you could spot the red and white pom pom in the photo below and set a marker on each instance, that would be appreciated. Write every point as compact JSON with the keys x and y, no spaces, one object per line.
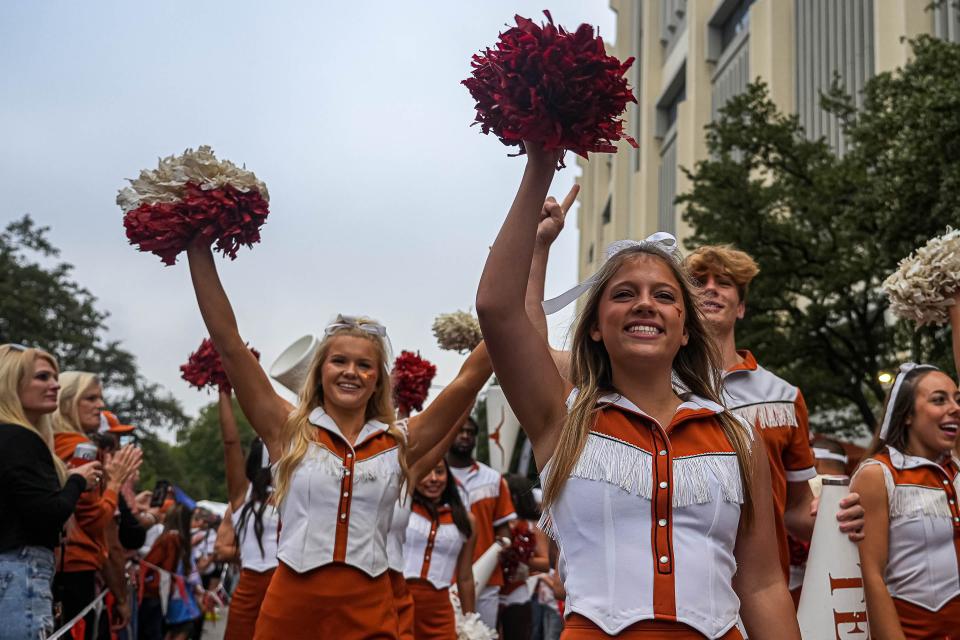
{"x":194,"y":194}
{"x":411,"y":378}
{"x":204,"y":369}
{"x":547,"y":85}
{"x":522,"y":545}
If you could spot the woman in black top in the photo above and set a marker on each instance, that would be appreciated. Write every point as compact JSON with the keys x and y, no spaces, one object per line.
{"x":37,"y":493}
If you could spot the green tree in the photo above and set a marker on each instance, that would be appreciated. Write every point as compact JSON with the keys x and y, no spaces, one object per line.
{"x":826,"y":230}
{"x":41,"y":304}
{"x":199,"y":453}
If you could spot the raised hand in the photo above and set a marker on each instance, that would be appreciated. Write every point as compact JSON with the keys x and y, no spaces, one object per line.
{"x":553,"y":216}
{"x":121,"y":465}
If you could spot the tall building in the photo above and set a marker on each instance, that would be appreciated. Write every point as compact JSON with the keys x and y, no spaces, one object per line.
{"x":694,"y":55}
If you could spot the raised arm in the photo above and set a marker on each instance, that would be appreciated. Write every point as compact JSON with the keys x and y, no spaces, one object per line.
{"x":552,"y":218}
{"x":766,"y":608}
{"x":466,"y":589}
{"x":445,"y":414}
{"x":881,"y":612}
{"x":521,"y":357}
{"x":233,"y":460}
{"x":265,"y":410}
{"x":955,"y":330}
{"x":225,"y":546}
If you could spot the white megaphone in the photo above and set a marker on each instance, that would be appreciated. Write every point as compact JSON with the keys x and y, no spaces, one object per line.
{"x":292,"y":367}
{"x":502,"y":429}
{"x":832,"y":603}
{"x":486,"y":564}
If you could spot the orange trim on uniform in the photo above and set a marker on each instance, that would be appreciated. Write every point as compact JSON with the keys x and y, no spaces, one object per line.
{"x":349,"y":457}
{"x":920,"y":624}
{"x":332,"y":601}
{"x":444,"y":516}
{"x":432,"y":612}
{"x":404,"y":604}
{"x":578,"y":627}
{"x":245,"y":604}
{"x":617,"y":423}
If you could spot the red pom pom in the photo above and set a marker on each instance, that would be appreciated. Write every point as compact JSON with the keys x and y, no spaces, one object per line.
{"x":226,"y":214}
{"x":522,"y":545}
{"x":204,"y":369}
{"x":163,"y":229}
{"x":547,"y":85}
{"x":411,"y":377}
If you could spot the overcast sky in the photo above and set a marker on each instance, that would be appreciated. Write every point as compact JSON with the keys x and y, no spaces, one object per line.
{"x":383,"y":199}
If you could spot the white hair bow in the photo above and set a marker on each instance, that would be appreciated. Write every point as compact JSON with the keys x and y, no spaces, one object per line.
{"x":661,"y":240}
{"x":905,"y":368}
{"x":364,"y":324}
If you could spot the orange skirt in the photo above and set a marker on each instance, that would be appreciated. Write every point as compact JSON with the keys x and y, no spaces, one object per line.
{"x":245,"y":604}
{"x":578,"y":627}
{"x":332,"y":601}
{"x":922,"y":624}
{"x":404,"y":604}
{"x":433,"y":616}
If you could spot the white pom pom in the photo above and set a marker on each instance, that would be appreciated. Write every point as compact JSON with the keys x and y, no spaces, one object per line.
{"x":470,"y":626}
{"x":922,"y":287}
{"x":458,"y":331}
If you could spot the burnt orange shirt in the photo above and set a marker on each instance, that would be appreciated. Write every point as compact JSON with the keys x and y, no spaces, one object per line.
{"x":86,"y":545}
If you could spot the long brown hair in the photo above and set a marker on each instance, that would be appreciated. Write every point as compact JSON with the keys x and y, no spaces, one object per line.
{"x":697,"y":365}
{"x":298,"y":433}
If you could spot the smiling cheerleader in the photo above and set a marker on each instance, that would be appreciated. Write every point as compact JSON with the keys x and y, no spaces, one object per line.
{"x":342,"y":466}
{"x":660,"y":502}
{"x":909,"y":485}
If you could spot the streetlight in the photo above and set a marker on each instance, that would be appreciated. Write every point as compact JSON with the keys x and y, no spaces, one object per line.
{"x":885,"y":378}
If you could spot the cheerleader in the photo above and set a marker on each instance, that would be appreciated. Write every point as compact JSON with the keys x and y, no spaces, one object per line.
{"x":955,"y":338}
{"x":516,"y":606}
{"x":438,"y":551}
{"x":908,"y":486}
{"x":397,"y":535}
{"x":660,"y":503}
{"x":342,"y":464}
{"x":253,"y":520}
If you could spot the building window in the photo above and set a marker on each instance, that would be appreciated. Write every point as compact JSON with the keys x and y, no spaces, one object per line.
{"x":590,"y":254}
{"x":605,"y":217}
{"x":667,"y":192}
{"x":669,"y":102}
{"x":735,"y":24}
{"x":728,"y":31}
{"x":833,"y":39}
{"x":946,"y":20}
{"x":730,"y":19}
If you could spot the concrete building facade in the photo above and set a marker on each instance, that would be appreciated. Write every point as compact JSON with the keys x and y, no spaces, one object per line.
{"x":694,"y":55}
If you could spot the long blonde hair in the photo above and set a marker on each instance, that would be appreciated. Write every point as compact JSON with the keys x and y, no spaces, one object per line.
{"x":73,"y":384}
{"x":297,"y":433}
{"x":16,"y":368}
{"x":697,"y":365}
